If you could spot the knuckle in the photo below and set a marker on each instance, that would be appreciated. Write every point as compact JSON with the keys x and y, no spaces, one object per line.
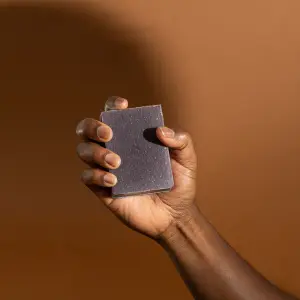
{"x":80,"y":128}
{"x":83,"y":127}
{"x":85,"y":123}
{"x":182,"y":134}
{"x":88,"y":123}
{"x":79,"y":148}
{"x":85,"y":151}
{"x":88,"y":176}
{"x":110,"y":101}
{"x":184,"y":138}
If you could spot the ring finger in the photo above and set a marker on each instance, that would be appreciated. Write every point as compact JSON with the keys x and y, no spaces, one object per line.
{"x":98,"y":177}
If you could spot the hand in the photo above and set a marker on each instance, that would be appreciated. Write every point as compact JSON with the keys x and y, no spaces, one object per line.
{"x":149,"y":214}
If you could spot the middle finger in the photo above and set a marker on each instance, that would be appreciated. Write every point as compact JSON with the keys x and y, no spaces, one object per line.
{"x":92,"y":153}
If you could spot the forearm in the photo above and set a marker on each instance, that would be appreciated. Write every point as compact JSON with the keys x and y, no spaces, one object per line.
{"x":210,"y":267}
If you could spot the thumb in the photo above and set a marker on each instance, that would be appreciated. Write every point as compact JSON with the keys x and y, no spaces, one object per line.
{"x":181,"y":146}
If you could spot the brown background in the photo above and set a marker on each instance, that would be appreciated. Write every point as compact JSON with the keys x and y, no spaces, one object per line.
{"x":227,"y":71}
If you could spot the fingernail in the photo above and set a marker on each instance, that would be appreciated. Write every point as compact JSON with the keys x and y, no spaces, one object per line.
{"x":167,"y":132}
{"x":103,"y":132}
{"x":115,"y":102}
{"x":87,"y":175}
{"x":110,"y":179}
{"x":119,"y":101}
{"x":79,"y":128}
{"x":113,"y":160}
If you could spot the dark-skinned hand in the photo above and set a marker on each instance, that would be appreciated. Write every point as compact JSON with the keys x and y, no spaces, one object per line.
{"x":150,"y":214}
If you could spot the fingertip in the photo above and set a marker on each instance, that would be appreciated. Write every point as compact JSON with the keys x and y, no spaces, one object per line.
{"x":110,"y":180}
{"x":112,"y":160}
{"x":117,"y":103}
{"x":104,"y":133}
{"x":97,"y":177}
{"x":167,"y":137}
{"x":122,"y":103}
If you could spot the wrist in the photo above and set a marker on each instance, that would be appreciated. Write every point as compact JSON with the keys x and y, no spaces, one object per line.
{"x":186,"y":221}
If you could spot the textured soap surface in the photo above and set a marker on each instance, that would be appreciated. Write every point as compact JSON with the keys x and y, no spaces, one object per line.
{"x":145,"y":166}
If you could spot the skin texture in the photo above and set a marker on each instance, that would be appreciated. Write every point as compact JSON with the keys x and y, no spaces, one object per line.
{"x":210,"y":268}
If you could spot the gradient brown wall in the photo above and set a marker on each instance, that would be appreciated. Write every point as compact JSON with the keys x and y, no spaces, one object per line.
{"x":227,"y":71}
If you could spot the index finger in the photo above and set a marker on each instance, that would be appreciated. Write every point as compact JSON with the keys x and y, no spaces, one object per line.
{"x":96,"y":130}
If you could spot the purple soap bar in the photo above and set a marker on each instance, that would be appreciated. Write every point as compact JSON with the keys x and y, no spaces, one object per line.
{"x":145,"y":166}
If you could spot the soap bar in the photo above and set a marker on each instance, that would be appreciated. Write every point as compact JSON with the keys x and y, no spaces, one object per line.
{"x":145,"y":162}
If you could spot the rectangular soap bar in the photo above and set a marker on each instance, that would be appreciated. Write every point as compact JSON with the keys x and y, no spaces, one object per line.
{"x":145,"y":166}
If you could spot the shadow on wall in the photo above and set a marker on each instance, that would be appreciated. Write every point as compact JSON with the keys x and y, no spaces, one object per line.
{"x":59,"y":60}
{"x":59,"y":63}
